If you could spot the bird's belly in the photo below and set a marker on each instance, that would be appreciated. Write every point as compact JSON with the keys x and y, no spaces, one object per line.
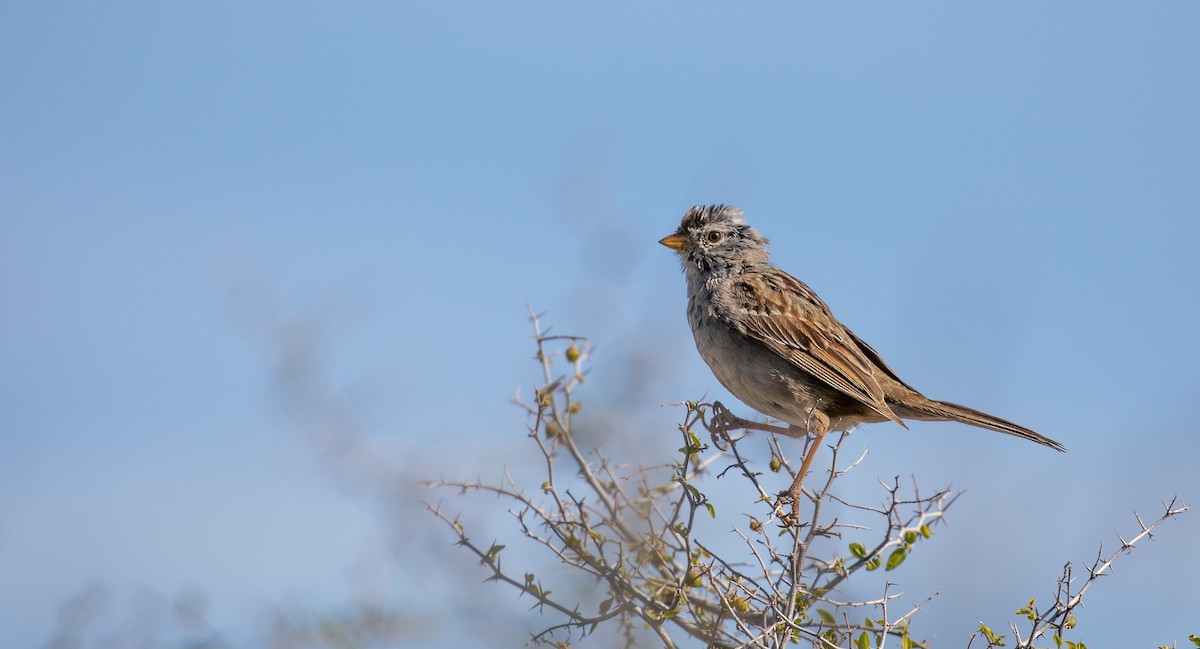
{"x":756,"y":375}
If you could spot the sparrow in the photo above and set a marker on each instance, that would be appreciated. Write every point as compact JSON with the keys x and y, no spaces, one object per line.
{"x":773,"y":343}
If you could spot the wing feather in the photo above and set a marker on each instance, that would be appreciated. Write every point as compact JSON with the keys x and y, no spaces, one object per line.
{"x":787,"y":316}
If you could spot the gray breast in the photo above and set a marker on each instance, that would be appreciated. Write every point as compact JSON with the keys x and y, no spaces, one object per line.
{"x":752,"y":372}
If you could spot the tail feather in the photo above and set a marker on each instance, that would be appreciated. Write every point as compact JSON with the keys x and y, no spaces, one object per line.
{"x":929,"y":409}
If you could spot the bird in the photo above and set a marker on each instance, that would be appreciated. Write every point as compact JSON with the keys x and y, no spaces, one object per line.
{"x":776,"y":346}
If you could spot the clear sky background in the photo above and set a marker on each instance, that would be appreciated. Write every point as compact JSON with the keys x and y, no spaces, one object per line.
{"x":1001,"y":198}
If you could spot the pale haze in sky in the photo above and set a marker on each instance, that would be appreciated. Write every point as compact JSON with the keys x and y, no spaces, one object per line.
{"x":1000,"y":198}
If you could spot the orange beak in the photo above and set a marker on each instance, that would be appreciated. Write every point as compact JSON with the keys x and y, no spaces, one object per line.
{"x":675,"y":241}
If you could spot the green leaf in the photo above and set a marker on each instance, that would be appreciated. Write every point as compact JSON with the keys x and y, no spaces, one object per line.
{"x":693,"y":444}
{"x":1195,"y":639}
{"x":906,"y":642}
{"x":910,"y":537}
{"x":858,"y":550}
{"x":604,"y":605}
{"x":826,"y":616}
{"x":712,"y":511}
{"x":1027,"y":610}
{"x":864,"y":641}
{"x":896,"y":558}
{"x":872,"y":563}
{"x":926,"y":532}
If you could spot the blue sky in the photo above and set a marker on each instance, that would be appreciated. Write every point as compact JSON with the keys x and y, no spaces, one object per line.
{"x":1002,"y":199}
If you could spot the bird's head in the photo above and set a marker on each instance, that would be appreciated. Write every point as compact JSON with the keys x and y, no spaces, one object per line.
{"x":716,"y":236}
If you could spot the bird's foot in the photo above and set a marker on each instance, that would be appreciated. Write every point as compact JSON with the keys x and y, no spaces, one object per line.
{"x":787,"y":508}
{"x":724,"y":421}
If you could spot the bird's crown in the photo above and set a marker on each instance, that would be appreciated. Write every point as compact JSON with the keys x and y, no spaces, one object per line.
{"x":701,"y":215}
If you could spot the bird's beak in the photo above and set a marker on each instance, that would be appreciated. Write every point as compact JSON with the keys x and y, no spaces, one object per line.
{"x":675,"y":242}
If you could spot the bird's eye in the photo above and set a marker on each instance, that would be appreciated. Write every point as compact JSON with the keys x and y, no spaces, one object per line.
{"x":714,"y":236}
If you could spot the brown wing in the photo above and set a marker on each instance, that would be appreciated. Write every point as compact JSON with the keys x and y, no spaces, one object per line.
{"x":876,"y":359}
{"x":785,"y":315}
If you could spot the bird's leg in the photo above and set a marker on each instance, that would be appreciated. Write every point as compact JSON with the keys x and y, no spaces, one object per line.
{"x":818,"y":424}
{"x":724,"y":421}
{"x":778,"y":430}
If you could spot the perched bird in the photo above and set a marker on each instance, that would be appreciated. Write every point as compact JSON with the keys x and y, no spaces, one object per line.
{"x":776,"y":346}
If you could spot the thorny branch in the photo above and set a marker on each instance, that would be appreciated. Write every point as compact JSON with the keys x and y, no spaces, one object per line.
{"x":635,"y":531}
{"x":1059,"y":616}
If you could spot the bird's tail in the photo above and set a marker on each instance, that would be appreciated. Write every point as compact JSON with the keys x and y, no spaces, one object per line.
{"x":931,"y":410}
